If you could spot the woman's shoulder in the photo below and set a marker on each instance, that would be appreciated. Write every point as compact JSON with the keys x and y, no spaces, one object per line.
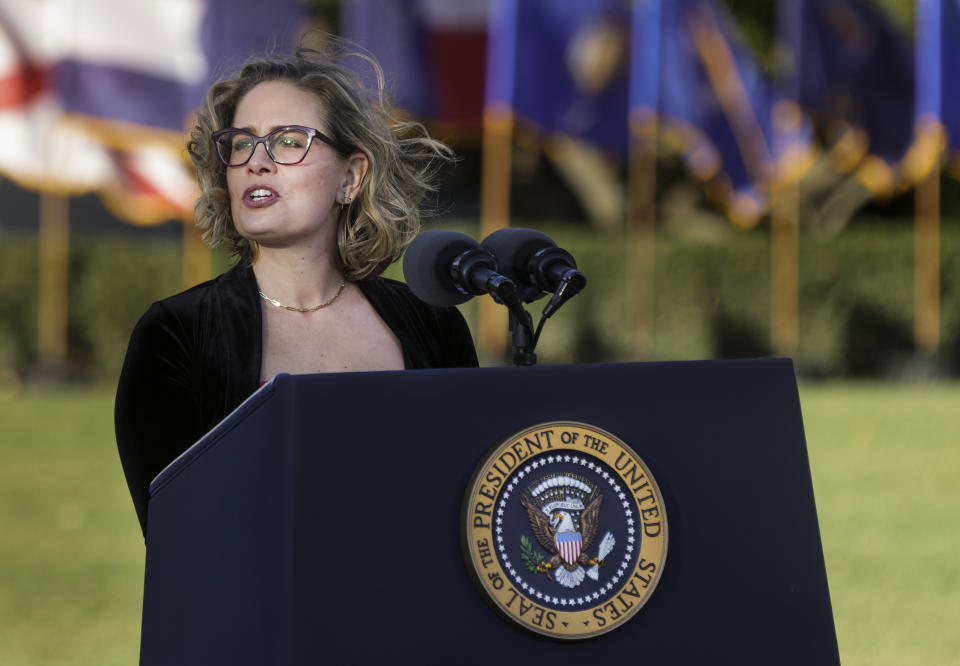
{"x":433,"y":336}
{"x":194,"y":301}
{"x":385,"y":292}
{"x":186,"y":315}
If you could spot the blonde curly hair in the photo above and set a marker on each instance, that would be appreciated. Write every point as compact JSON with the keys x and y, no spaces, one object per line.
{"x":403,"y":159}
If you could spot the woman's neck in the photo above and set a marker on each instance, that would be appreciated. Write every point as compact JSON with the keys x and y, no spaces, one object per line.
{"x":296,"y":276}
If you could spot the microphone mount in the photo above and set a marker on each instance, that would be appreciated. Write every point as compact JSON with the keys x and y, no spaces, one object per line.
{"x":474,"y":272}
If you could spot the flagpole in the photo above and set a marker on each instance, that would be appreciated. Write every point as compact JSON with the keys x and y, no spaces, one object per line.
{"x":784,"y":270}
{"x":936,"y":21}
{"x":494,"y":214}
{"x":785,"y":212}
{"x":641,"y":233}
{"x":53,"y":264}
{"x":498,"y":123}
{"x":195,"y":255}
{"x":926,"y":261}
{"x":643,"y":129}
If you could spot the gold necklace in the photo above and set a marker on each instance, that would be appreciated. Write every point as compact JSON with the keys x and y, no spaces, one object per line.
{"x":343,"y":283}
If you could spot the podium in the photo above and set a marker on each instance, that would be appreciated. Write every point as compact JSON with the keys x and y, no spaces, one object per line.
{"x":320,"y":522}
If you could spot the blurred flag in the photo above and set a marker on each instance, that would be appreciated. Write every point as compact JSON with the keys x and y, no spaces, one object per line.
{"x":691,"y":73}
{"x":97,"y":94}
{"x":855,"y":71}
{"x":432,"y":52}
{"x":937,"y":114}
{"x":562,"y":66}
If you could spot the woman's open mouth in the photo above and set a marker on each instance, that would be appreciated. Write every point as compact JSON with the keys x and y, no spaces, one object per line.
{"x":259,"y":196}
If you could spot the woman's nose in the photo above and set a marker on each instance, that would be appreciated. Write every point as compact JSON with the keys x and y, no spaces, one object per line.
{"x":260,"y":160}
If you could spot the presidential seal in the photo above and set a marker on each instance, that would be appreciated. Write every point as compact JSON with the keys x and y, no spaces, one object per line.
{"x":565,"y":530}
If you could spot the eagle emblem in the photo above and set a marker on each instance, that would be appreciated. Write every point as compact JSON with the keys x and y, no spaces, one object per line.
{"x":564,"y":512}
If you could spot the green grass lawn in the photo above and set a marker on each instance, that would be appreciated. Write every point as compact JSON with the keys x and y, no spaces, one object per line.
{"x":71,"y":552}
{"x":885,"y":460}
{"x":884,"y":457}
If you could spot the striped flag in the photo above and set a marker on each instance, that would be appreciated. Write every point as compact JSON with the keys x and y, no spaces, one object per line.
{"x":97,"y":95}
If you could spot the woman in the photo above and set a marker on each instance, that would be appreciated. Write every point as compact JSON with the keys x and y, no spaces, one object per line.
{"x":318,"y":191}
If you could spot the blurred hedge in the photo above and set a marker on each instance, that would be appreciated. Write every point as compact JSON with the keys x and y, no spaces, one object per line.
{"x":712,"y":299}
{"x":111,"y":283}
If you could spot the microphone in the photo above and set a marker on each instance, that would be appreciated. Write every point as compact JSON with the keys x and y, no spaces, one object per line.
{"x":445,"y":268}
{"x":536,"y":265}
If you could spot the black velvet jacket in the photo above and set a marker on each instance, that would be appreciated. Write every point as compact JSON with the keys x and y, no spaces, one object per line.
{"x":194,"y":357}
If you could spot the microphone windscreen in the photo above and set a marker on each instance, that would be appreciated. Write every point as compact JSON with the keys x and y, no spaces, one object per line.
{"x":513,"y":248}
{"x":427,"y":262}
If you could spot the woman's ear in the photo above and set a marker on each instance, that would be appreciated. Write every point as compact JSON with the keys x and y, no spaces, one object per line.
{"x":356,"y":171}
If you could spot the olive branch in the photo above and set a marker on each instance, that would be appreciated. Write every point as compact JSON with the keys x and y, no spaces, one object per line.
{"x":531,"y":558}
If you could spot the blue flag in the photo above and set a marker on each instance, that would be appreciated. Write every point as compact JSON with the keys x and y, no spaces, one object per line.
{"x":712,"y":101}
{"x":562,"y":66}
{"x":938,"y":89}
{"x":855,"y":73}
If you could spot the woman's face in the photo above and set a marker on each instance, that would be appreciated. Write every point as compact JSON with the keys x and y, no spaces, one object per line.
{"x":279,"y":205}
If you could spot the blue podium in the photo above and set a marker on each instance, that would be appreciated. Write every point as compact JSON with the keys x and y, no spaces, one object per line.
{"x":321,"y":521}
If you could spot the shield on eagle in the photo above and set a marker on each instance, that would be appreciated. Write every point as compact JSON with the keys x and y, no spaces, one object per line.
{"x":568,"y":543}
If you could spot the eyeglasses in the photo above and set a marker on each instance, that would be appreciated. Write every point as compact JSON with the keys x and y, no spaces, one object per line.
{"x":285,"y":145}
